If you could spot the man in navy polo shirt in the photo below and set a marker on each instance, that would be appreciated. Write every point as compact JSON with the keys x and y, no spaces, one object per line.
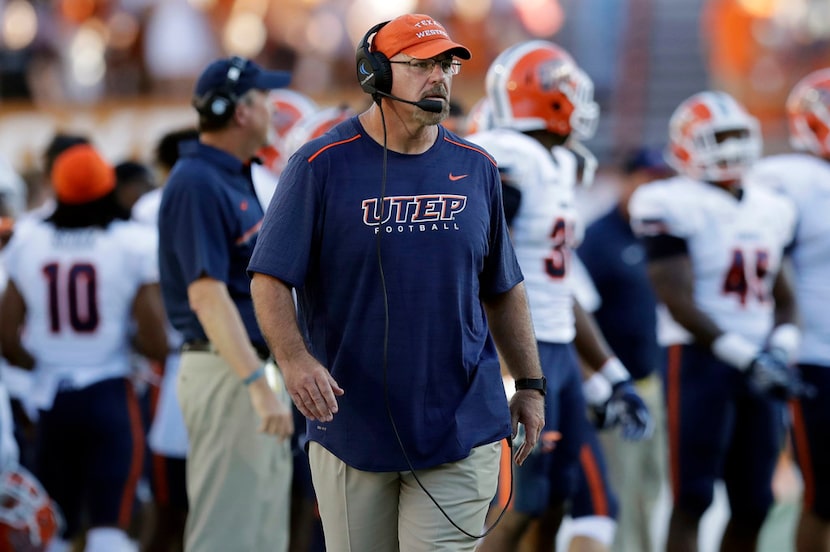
{"x":239,"y":462}
{"x":391,"y":230}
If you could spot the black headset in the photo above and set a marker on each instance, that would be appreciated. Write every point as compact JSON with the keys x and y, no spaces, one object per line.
{"x":374,"y":72}
{"x":216,"y":106}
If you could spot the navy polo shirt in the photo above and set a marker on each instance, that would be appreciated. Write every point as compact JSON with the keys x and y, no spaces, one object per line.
{"x":616,"y":261}
{"x":208,"y":224}
{"x":443,"y":246}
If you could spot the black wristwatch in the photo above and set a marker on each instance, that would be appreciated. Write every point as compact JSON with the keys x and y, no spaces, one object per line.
{"x":539,"y":384}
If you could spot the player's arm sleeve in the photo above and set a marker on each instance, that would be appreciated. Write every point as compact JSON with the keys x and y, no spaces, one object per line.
{"x":662,"y":245}
{"x":659,"y":223}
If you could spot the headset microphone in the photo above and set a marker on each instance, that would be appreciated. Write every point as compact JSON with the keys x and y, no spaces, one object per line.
{"x":433,"y":106}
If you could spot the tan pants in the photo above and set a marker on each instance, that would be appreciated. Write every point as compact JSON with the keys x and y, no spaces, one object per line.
{"x":637,"y":471}
{"x":389,"y":512}
{"x":238,"y":480}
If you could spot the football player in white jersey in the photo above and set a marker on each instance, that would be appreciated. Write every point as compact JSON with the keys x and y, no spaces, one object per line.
{"x":715,"y":247}
{"x":539,"y":99}
{"x":804,"y":177}
{"x":76,"y":279}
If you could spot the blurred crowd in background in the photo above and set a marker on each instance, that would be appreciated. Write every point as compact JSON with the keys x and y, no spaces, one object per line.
{"x":123,"y":70}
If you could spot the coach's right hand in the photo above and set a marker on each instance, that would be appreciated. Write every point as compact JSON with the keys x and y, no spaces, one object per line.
{"x":312,"y":388}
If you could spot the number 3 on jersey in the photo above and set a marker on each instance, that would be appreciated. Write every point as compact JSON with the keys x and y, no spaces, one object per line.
{"x":77,"y":284}
{"x":556,"y":263}
{"x":747,"y":281}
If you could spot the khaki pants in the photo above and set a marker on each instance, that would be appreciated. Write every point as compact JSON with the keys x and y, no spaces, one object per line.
{"x":637,"y":471}
{"x":389,"y":512}
{"x":238,"y":480}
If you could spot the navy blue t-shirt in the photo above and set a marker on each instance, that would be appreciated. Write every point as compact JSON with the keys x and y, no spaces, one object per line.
{"x":444,"y":245}
{"x":616,"y":261}
{"x":208,"y":224}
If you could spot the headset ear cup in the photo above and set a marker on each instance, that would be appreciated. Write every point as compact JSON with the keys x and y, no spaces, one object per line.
{"x":215,"y":108}
{"x":366,"y":71}
{"x":383,"y":74}
{"x":219,"y":106}
{"x":374,"y":72}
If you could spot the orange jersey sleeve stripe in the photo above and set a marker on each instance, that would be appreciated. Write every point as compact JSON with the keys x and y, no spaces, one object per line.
{"x":251,"y":232}
{"x":333,"y":144}
{"x":477,"y":150}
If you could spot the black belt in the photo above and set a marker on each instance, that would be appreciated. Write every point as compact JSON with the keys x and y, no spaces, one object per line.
{"x":203,"y":346}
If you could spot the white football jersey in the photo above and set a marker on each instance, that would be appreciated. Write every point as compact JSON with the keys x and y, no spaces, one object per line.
{"x":79,"y":286}
{"x":146,"y":208}
{"x":546,"y":227}
{"x":735,"y":245}
{"x":805,"y":179}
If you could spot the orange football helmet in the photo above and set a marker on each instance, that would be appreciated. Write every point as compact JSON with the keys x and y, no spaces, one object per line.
{"x":315,"y":125}
{"x":29,"y":519}
{"x":287,"y":107}
{"x":536,"y":85}
{"x":808,"y":112}
{"x":712,"y":138}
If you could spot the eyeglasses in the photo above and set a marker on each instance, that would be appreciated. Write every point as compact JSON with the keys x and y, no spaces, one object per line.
{"x":426,"y":66}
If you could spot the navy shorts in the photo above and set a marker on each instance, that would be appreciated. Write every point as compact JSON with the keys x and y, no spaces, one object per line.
{"x":90,"y":452}
{"x":719,"y":429}
{"x":811,"y":428}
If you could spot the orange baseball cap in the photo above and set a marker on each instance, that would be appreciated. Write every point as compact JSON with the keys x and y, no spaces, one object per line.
{"x":81,"y":175}
{"x":418,"y":36}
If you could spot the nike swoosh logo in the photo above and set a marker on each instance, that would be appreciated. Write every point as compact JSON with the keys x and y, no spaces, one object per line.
{"x":459,"y":177}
